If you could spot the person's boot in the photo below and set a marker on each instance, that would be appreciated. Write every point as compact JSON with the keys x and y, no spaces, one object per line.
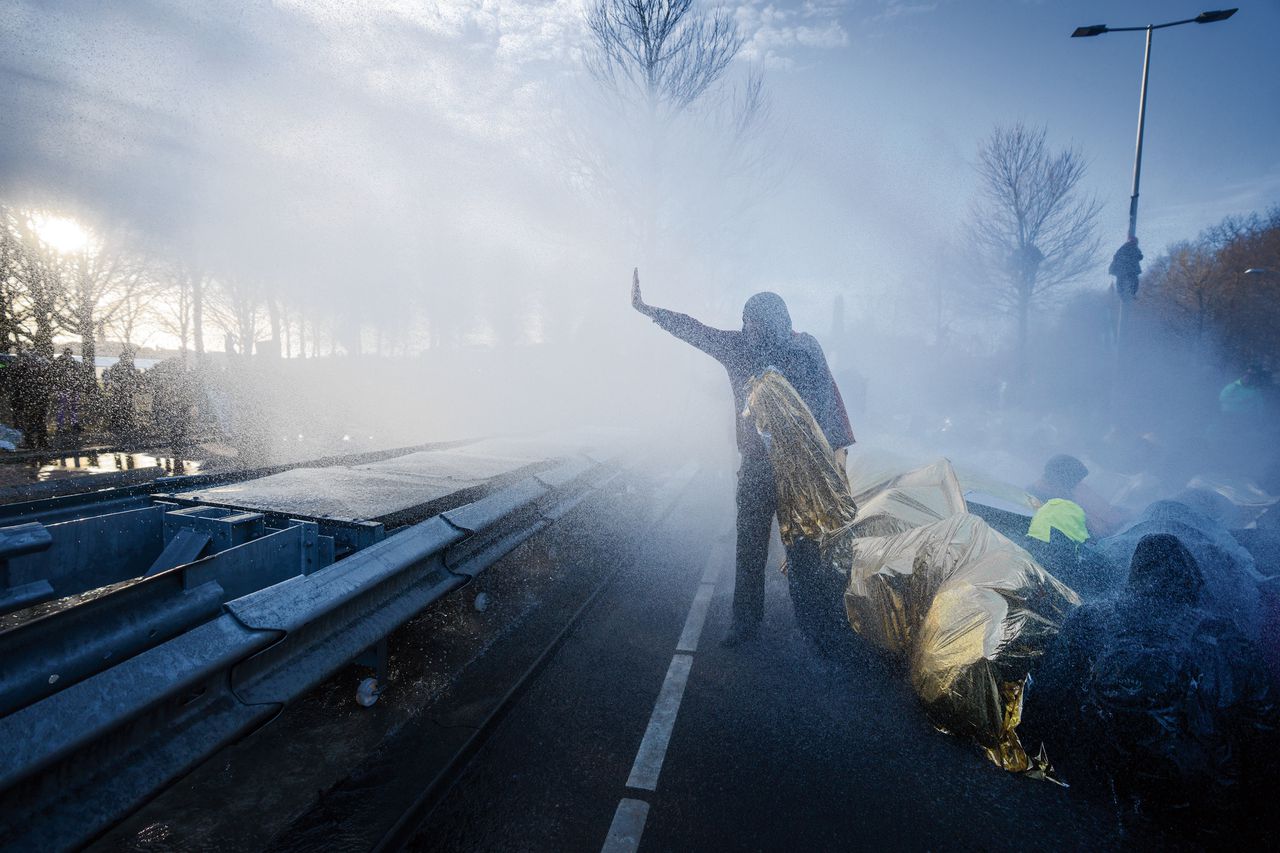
{"x":739,"y":634}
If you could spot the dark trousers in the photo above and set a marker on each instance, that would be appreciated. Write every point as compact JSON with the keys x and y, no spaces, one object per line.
{"x":757,"y":500}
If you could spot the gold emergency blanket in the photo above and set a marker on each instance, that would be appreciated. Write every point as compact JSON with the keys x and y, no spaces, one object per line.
{"x":812,"y":487}
{"x":964,"y":607}
{"x":904,"y":501}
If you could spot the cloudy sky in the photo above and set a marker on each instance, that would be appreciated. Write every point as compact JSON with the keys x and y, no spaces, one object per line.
{"x":321,"y":142}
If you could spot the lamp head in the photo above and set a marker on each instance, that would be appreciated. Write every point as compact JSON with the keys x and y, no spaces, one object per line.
{"x":1214,"y":17}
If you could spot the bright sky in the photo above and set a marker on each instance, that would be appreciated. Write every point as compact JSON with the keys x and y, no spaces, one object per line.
{"x":313,"y":143}
{"x":909,"y":91}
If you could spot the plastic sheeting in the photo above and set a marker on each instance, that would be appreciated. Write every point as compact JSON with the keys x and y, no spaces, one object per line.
{"x":1230,"y":578}
{"x":1158,"y":699}
{"x":872,"y":468}
{"x":904,"y":501}
{"x":971,"y":612}
{"x":964,"y":607}
{"x":1245,"y":502}
{"x":812,"y":487}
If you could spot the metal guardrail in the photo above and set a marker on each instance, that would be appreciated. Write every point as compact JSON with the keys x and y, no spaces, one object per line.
{"x":84,"y":553}
{"x":41,"y":656}
{"x":84,"y":522}
{"x":99,"y":493}
{"x":78,"y":760}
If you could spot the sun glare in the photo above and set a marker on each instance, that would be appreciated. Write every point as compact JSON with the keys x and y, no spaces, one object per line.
{"x":63,"y":235}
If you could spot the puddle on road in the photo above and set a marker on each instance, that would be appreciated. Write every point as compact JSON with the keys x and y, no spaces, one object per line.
{"x":108,"y":463}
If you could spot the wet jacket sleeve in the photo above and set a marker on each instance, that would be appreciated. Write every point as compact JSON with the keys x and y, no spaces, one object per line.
{"x":717,"y":343}
{"x":827,"y":405}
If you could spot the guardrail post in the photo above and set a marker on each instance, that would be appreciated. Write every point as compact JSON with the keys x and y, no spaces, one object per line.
{"x":18,"y":541}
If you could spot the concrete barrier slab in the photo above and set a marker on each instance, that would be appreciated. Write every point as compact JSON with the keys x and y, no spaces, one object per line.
{"x":467,"y":468}
{"x":371,"y":491}
{"x":338,"y":493}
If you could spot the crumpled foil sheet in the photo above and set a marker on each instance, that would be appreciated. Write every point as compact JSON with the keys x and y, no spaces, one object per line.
{"x":966,"y":609}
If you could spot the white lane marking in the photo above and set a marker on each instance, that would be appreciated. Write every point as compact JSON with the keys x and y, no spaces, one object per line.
{"x":698,"y":611}
{"x":711,"y":573}
{"x":629,"y":819}
{"x":628,"y":823}
{"x":653,"y":747}
{"x":697,"y":618}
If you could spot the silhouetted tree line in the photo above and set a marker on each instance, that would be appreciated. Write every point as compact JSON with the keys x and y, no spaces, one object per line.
{"x":117,"y":287}
{"x":104,"y":293}
{"x":1220,"y":293}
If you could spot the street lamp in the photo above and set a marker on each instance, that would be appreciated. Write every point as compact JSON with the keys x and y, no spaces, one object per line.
{"x":1125,"y":264}
{"x":1099,"y":29}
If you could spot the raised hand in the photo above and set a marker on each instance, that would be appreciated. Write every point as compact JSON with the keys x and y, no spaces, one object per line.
{"x":637,"y":302}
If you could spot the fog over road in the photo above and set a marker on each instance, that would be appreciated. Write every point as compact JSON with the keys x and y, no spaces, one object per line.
{"x":772,"y":748}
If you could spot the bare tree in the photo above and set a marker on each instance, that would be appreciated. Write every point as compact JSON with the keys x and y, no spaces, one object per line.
{"x":1200,"y":290}
{"x":128,"y":301}
{"x":668,"y":52}
{"x":174,"y":306}
{"x":664,"y":66}
{"x":34,"y":272}
{"x":198,"y":287}
{"x":236,"y":307}
{"x":302,"y":332}
{"x":12,"y":276}
{"x":273,"y":317}
{"x":98,"y":282}
{"x":1031,"y":226}
{"x":1185,"y":280}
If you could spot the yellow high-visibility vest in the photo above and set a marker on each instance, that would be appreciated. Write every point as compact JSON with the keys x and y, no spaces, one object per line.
{"x":1064,"y":515}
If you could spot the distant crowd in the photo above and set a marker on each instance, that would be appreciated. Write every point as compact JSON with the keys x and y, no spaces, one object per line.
{"x":125,"y":407}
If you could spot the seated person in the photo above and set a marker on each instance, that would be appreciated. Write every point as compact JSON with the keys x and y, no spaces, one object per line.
{"x":1064,"y":478}
{"x":1058,"y":539}
{"x":1230,"y":577}
{"x":1148,"y":695}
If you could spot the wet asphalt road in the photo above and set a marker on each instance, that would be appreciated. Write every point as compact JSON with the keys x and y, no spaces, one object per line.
{"x":773,"y":747}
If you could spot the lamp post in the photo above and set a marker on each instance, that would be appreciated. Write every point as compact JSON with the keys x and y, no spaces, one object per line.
{"x":1099,"y":29}
{"x":1125,"y":266}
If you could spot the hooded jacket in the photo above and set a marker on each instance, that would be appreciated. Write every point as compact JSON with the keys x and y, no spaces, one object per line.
{"x":796,"y":355}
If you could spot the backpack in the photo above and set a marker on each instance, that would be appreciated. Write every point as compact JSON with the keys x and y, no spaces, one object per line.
{"x":1179,"y":710}
{"x":1156,"y":731}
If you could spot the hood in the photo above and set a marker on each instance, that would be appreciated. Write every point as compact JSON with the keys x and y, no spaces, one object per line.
{"x":1163,"y":570}
{"x":769,"y":313}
